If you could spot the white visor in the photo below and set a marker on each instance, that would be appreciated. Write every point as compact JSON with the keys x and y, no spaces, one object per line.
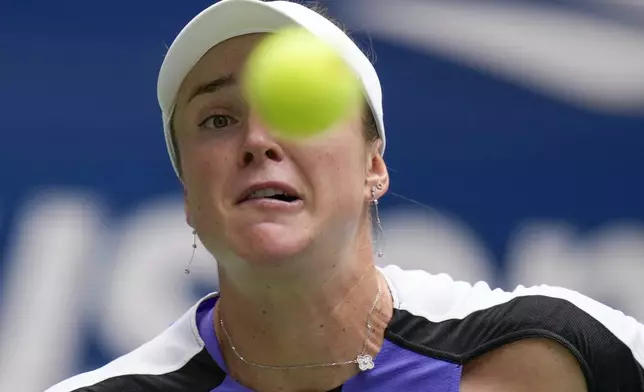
{"x":232,"y":18}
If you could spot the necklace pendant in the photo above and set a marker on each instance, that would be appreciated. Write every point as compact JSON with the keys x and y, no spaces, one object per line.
{"x":365,"y":362}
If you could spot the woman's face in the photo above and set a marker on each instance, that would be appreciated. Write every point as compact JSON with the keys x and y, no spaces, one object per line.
{"x":232,"y":167}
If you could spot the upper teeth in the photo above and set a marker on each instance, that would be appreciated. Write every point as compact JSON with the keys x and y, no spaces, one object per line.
{"x":268,"y":192}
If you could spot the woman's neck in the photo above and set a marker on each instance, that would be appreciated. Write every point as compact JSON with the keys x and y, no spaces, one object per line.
{"x":320,"y":319}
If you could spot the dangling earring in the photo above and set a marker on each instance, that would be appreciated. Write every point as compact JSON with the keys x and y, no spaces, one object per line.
{"x":380,"y":234}
{"x":194,"y":248}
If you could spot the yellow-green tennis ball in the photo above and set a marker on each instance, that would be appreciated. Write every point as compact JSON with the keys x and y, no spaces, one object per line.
{"x":299,"y":85}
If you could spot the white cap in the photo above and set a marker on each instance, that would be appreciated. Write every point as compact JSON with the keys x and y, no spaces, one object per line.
{"x":232,"y":18}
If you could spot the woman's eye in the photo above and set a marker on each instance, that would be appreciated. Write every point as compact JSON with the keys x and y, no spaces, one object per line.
{"x":218,"y":122}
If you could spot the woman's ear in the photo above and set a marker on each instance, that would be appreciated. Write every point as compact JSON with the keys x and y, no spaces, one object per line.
{"x":377,"y":175}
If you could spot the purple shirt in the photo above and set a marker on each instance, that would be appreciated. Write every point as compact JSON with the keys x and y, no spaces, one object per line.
{"x":396,"y":368}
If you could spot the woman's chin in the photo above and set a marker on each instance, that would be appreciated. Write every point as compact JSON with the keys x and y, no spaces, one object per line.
{"x":271,"y":243}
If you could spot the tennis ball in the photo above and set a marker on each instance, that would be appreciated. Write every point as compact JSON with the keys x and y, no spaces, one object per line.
{"x":299,"y":85}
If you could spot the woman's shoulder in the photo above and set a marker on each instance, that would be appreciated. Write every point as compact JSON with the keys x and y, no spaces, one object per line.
{"x":463,"y":321}
{"x":440,"y":297}
{"x":177,"y":350}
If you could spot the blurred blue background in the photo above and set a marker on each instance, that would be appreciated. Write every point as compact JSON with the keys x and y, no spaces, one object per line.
{"x":516,"y":128}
